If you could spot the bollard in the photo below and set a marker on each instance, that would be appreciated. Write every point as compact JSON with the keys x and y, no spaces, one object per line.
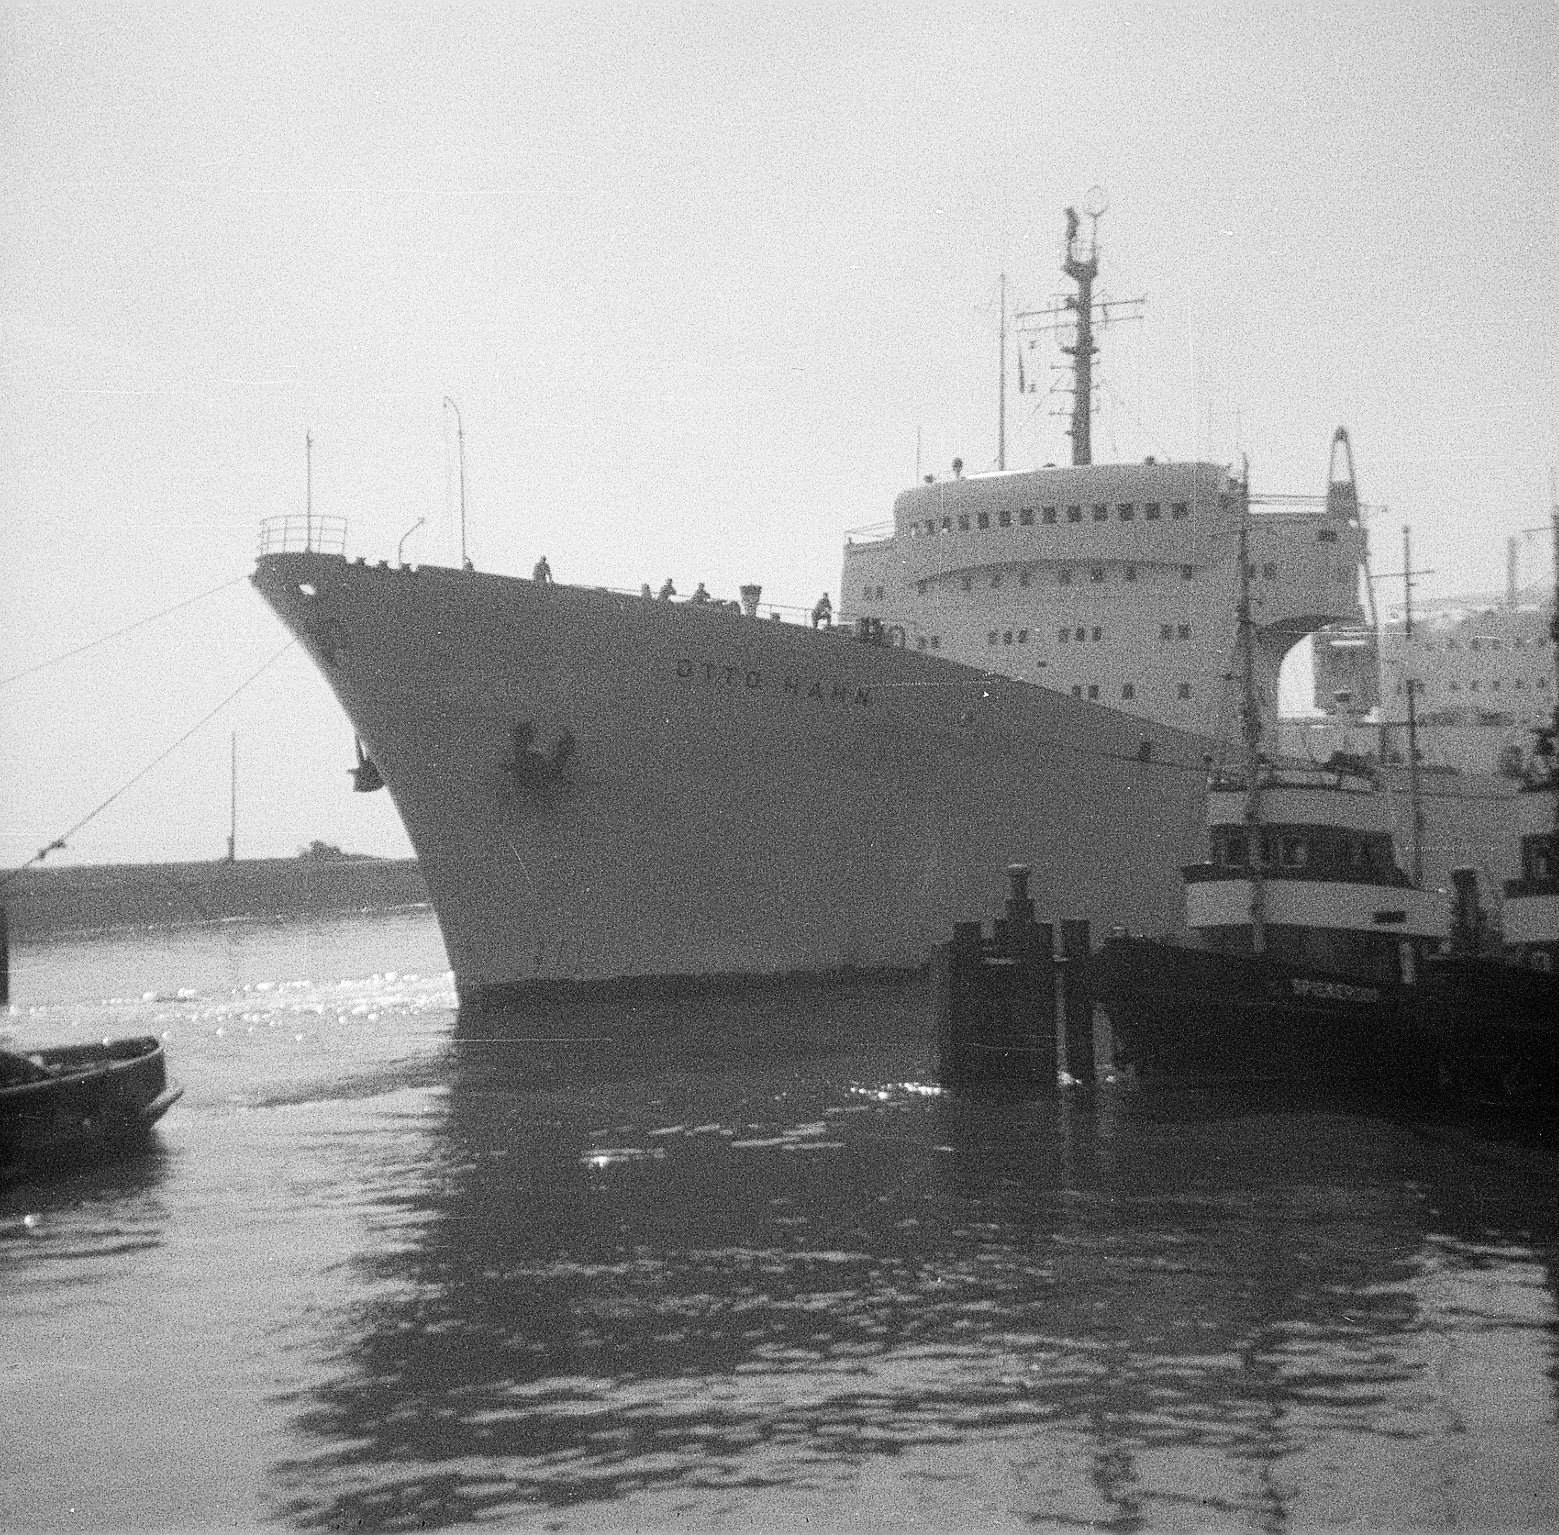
{"x":995,"y":999}
{"x":1074,"y":1027}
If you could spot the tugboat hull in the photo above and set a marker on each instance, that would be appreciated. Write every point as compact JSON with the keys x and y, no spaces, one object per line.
{"x":1179,"y":1011}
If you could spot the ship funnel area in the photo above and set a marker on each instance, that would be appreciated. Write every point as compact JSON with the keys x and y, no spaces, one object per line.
{"x":1342,"y":492}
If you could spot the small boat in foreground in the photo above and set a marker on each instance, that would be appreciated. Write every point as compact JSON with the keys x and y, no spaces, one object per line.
{"x":75,"y":1100}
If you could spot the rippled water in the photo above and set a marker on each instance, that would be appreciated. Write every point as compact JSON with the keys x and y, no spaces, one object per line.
{"x":382,"y":1270}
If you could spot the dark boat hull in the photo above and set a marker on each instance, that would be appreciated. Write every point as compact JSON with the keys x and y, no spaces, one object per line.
{"x":1500,"y":1025}
{"x":82,"y":1099}
{"x":1178,"y":1011}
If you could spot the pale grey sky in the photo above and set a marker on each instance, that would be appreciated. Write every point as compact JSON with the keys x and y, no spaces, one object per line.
{"x":695,"y":275}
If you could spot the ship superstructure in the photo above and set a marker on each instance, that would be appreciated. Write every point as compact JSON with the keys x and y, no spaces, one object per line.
{"x":1109,"y":582}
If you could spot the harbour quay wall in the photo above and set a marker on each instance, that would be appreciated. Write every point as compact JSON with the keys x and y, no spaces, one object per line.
{"x":45,"y":903}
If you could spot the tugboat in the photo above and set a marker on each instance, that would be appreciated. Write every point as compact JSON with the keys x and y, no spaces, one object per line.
{"x":1498,"y":1001}
{"x":1309,"y":943}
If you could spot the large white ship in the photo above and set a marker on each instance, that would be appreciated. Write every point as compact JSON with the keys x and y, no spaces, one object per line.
{"x":1034,"y":666}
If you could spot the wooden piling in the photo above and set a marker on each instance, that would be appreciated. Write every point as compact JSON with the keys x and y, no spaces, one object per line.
{"x":995,"y":999}
{"x":1074,"y":1024}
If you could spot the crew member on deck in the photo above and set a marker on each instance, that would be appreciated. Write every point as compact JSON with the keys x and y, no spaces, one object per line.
{"x":668,"y":591}
{"x":542,"y":572}
{"x":823,"y":613}
{"x":644,"y":591}
{"x":700,"y":595}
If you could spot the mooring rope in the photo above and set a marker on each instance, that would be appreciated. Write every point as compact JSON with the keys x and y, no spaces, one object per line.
{"x":103,"y":639}
{"x":60,"y":841}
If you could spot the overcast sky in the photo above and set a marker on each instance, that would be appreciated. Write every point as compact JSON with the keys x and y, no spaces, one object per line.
{"x":696,"y":275}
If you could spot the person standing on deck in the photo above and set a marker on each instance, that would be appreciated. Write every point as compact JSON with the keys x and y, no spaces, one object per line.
{"x":823,"y":613}
{"x":542,"y":573}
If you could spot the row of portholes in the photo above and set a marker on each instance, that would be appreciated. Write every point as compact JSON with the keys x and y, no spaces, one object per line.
{"x":1152,"y":511}
{"x":1098,"y":575}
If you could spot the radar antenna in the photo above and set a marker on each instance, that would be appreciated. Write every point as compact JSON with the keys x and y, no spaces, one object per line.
{"x":1076,"y":315}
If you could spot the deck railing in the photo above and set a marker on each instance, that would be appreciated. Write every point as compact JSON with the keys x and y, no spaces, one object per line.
{"x":293,"y":534}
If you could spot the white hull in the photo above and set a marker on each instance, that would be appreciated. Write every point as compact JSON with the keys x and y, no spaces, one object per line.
{"x":740,"y":797}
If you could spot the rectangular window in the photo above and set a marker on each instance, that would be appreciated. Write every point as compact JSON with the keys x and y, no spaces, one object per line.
{"x":1185,"y":689}
{"x":1050,"y":514}
{"x":1004,"y":517}
{"x":1077,"y":690}
{"x":1128,"y":690}
{"x":1026,"y":517}
{"x":936,"y":641}
{"x":1024,"y":577}
{"x":1100,"y":511}
{"x":1006,"y":636}
{"x":1096,"y":574}
{"x":1128,"y":511}
{"x":1326,"y":536}
{"x":963,"y":522}
{"x":1131,"y":572}
{"x":1065,"y":577}
{"x":1183,"y":631}
{"x":1166,"y":632}
{"x":1063,"y":635}
{"x":1093,"y":689}
{"x":879,"y":594}
{"x":1074,"y":514}
{"x":1150,"y":511}
{"x":947,"y":524}
{"x":1269,"y":572}
{"x":931,"y":524}
{"x":995,"y":579}
{"x":920,"y":642}
{"x":984,"y":519}
{"x":968,"y":583}
{"x":1098,"y":633}
{"x":867,"y":592}
{"x":990,"y":639}
{"x":1023,"y":636}
{"x":1082,"y":634}
{"x":1179,"y":510}
{"x":1187,"y":572}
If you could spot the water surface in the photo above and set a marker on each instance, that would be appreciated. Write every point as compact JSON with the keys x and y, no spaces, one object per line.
{"x":382,"y":1270}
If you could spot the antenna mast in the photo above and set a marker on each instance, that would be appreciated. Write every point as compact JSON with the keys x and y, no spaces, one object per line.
{"x":1250,"y":728}
{"x":1001,"y":386}
{"x":460,"y":439}
{"x":232,"y":801}
{"x":308,"y":490}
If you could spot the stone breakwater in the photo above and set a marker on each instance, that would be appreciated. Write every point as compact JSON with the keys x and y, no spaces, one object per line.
{"x":45,"y":903}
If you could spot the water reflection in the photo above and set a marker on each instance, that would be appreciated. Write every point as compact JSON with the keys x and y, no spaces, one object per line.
{"x":84,"y":1212}
{"x":766,"y":1287}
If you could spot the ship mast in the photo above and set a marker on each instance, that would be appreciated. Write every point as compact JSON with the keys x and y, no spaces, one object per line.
{"x":1250,"y":728}
{"x":1552,"y":742}
{"x":1082,"y":272}
{"x":1411,"y":686}
{"x":1075,"y":317}
{"x":1001,"y":389}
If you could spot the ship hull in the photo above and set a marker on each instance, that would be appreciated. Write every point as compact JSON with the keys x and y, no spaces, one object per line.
{"x":623,"y":795}
{"x":696,"y":796}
